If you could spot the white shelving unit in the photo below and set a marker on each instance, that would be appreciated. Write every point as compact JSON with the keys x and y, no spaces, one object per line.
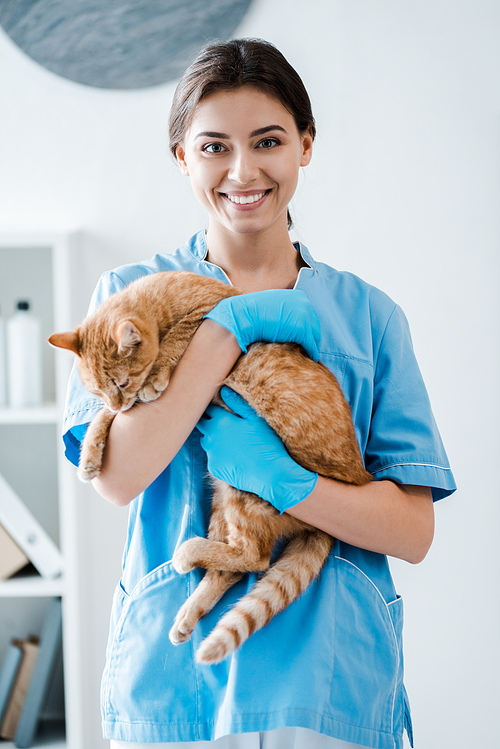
{"x":46,"y":414}
{"x":36,"y":267}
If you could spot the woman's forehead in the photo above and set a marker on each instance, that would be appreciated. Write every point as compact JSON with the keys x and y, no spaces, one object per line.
{"x":246,"y":109}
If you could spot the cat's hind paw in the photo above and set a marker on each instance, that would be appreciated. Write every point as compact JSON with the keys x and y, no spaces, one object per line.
{"x":181,"y":630}
{"x":184,"y":559}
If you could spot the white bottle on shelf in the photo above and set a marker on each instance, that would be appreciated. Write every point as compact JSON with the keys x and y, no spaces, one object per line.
{"x":3,"y":363}
{"x":24,"y":358}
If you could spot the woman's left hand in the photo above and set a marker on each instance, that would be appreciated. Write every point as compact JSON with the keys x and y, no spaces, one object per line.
{"x":274,"y":315}
{"x":245,"y":452}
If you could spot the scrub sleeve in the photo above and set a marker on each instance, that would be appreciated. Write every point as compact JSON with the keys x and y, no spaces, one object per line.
{"x":404,"y":444}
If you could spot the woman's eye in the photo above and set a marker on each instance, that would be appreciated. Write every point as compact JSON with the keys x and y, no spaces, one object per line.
{"x":214,"y":148}
{"x":268,"y":143}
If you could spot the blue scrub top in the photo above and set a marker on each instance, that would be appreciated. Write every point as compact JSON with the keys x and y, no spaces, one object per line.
{"x":332,"y":661}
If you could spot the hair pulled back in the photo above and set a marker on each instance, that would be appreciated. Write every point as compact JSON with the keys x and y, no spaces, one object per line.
{"x":227,"y":66}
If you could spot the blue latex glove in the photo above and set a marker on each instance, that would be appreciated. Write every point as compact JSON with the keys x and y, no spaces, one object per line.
{"x":245,"y":452}
{"x":276,"y":315}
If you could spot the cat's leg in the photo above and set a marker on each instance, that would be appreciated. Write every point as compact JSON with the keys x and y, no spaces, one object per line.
{"x":248,"y":543}
{"x":93,"y":445}
{"x":289,"y":576}
{"x":213,"y":585}
{"x":172,"y":347}
{"x":218,"y":555}
{"x":207,"y":594}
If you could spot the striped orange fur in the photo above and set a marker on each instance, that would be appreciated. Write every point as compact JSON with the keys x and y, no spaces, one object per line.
{"x":127,"y":351}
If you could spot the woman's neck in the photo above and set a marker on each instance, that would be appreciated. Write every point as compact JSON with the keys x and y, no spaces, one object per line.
{"x":253,"y":262}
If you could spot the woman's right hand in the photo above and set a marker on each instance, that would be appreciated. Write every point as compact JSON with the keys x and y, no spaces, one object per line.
{"x":245,"y":452}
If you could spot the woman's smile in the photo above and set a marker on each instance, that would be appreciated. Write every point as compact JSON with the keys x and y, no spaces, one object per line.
{"x":246,"y":201}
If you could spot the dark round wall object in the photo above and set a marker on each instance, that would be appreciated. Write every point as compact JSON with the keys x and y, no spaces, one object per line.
{"x":118,"y":44}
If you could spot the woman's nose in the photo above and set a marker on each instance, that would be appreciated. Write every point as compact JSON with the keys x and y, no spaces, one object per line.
{"x":243,"y":169}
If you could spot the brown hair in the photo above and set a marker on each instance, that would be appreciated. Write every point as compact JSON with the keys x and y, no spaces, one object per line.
{"x":227,"y":66}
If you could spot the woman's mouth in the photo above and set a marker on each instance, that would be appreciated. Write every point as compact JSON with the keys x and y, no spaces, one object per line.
{"x":245,"y":200}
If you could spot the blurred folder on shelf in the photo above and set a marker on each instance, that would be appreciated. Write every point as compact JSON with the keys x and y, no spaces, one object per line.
{"x":8,"y":673}
{"x":26,"y":675}
{"x":12,"y":557}
{"x":19,"y":687}
{"x":41,"y":677}
{"x":27,"y":533}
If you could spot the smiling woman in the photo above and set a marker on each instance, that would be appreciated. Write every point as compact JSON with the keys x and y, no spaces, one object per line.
{"x":328,"y":671}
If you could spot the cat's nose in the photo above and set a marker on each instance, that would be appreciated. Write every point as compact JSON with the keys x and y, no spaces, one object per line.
{"x":114,"y":404}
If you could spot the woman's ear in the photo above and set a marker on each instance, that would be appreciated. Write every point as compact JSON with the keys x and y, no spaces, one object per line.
{"x":307,"y":148}
{"x":181,"y":160}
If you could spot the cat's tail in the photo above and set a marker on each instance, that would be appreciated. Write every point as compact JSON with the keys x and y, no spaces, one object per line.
{"x":298,"y":565}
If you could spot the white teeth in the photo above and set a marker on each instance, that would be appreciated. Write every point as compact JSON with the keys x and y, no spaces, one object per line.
{"x":245,"y":199}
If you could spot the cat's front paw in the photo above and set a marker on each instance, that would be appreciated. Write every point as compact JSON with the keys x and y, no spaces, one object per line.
{"x":185,"y":558}
{"x":88,"y":471}
{"x":90,"y":463}
{"x":151,"y":391}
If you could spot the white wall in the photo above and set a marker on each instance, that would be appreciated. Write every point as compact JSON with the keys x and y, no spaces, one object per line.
{"x":402,"y":190}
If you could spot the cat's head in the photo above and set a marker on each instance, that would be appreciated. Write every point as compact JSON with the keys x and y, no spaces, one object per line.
{"x":112,"y":365}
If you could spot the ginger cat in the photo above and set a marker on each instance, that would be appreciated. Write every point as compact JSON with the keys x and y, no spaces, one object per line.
{"x":127,"y":352}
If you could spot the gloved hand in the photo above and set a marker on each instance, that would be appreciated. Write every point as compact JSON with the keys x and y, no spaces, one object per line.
{"x":276,"y":315}
{"x":245,"y":452}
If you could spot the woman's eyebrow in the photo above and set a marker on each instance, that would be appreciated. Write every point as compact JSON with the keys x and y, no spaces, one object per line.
{"x":267,"y":129}
{"x":212,"y":134}
{"x":253,"y":134}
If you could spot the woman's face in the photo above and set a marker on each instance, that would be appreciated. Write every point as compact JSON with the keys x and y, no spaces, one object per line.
{"x":242,"y":153}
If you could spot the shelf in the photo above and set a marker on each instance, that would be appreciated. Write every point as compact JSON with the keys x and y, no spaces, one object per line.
{"x":46,"y":414}
{"x":46,"y":742}
{"x":32,"y":586}
{"x":50,"y":735}
{"x":39,"y":268}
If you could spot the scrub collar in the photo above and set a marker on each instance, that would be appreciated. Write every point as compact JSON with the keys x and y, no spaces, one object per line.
{"x":198,"y":247}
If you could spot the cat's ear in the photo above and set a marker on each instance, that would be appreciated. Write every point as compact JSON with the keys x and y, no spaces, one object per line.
{"x":69,"y":341}
{"x":127,"y":335}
